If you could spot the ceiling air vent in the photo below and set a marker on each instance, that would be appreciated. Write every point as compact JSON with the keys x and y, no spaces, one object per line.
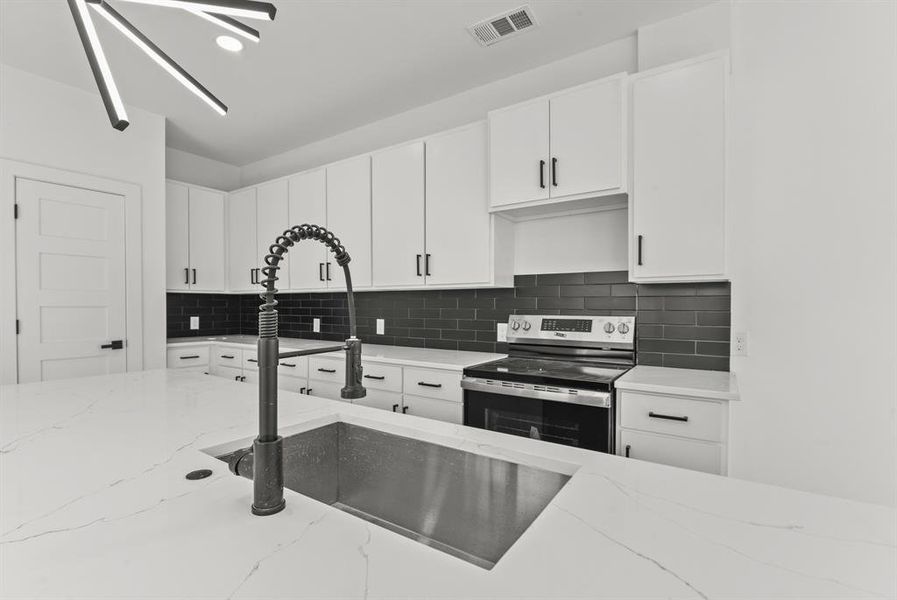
{"x":503,"y":26}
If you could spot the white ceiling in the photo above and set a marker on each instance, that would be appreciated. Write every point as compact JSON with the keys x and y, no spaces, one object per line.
{"x":322,"y":67}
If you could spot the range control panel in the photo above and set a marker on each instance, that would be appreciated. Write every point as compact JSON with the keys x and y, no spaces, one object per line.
{"x":608,"y":331}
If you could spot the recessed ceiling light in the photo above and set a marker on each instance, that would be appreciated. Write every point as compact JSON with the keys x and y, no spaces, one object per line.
{"x":231,"y":44}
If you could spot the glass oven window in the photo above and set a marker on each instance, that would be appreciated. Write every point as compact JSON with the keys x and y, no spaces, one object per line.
{"x":559,"y":430}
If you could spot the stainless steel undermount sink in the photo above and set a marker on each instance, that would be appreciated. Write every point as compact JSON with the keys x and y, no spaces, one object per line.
{"x":471,"y":506}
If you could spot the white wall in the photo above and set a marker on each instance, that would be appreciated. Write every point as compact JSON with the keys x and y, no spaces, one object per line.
{"x":453,"y":111}
{"x":813,"y":188}
{"x":690,"y":34}
{"x":55,"y":125}
{"x":199,"y":170}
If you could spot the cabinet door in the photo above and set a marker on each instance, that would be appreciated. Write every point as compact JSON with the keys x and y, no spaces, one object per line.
{"x":177,"y":234}
{"x":518,"y":150}
{"x":206,"y":240}
{"x":587,"y":140}
{"x":273,"y":218}
{"x":382,"y":400}
{"x":677,"y":452}
{"x":308,"y":204}
{"x":397,"y":216}
{"x":242,"y":251}
{"x":349,"y":218}
{"x":458,"y":220}
{"x":440,"y":410}
{"x":678,"y":199}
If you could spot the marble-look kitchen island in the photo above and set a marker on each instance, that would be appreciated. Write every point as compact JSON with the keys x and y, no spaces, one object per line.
{"x":94,"y":504}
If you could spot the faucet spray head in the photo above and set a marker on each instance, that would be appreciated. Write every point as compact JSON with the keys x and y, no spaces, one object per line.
{"x":353,"y":389}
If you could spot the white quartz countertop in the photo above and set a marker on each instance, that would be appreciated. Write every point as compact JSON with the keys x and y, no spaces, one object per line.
{"x":433,"y":358}
{"x":94,"y":504}
{"x":717,"y":385}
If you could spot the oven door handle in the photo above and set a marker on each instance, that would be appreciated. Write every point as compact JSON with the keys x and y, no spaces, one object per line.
{"x":581,"y":397}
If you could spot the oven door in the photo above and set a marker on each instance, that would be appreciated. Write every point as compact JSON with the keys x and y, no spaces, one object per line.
{"x":584,"y":420}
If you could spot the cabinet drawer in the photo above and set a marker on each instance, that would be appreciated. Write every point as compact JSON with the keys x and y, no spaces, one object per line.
{"x":433,"y":383}
{"x":227,"y":356}
{"x":440,"y":410}
{"x":677,"y":452}
{"x":190,"y":356}
{"x":378,"y":376}
{"x":697,"y":419}
{"x":250,"y":360}
{"x":382,"y":400}
{"x":293,"y":367}
{"x":327,"y":369}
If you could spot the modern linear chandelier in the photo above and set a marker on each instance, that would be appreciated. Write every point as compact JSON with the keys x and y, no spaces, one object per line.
{"x":219,"y":12}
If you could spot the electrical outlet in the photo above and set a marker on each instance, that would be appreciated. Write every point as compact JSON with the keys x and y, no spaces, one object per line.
{"x":194,"y":322}
{"x":381,"y":326}
{"x":501,"y":333}
{"x":741,"y":343}
{"x":316,"y":325}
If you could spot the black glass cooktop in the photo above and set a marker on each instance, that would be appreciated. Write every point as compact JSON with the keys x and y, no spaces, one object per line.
{"x":548,"y":372}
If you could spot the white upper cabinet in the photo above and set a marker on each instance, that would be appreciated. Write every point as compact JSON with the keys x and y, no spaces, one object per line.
{"x":308,"y":204}
{"x":242,"y":243}
{"x":458,"y":223}
{"x":194,"y":246}
{"x":566,"y":146}
{"x":678,"y":201}
{"x":349,"y":218}
{"x":272,"y":219}
{"x":177,"y":236}
{"x":397,"y":216}
{"x":518,"y":151}
{"x":206,"y":215}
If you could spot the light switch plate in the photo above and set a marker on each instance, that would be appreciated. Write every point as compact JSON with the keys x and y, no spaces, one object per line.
{"x":381,"y":326}
{"x":501,"y":333}
{"x":316,"y":325}
{"x":194,"y":323}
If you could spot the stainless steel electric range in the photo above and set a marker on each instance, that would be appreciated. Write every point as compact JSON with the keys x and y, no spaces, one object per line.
{"x":557,"y":384}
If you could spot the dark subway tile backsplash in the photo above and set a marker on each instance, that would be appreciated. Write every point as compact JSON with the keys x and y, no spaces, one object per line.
{"x":678,"y":325}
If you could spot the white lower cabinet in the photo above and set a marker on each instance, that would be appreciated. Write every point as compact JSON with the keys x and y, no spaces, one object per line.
{"x":677,"y":452}
{"x":440,"y":410}
{"x":380,"y":399}
{"x":188,"y":357}
{"x":325,"y":389}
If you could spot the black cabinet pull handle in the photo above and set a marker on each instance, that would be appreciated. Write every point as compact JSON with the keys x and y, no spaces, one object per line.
{"x":322,"y":370}
{"x":227,"y":356}
{"x":395,"y":407}
{"x":188,"y":357}
{"x":255,"y":360}
{"x":308,"y":391}
{"x":119,"y":344}
{"x":321,"y":271}
{"x":542,"y":174}
{"x":427,"y":265}
{"x":639,"y":250}
{"x":377,"y":377}
{"x":194,"y":276}
{"x":418,"y":265}
{"x":302,"y":390}
{"x":251,"y":275}
{"x":554,"y":172}
{"x":328,"y":271}
{"x":432,"y":385}
{"x":243,"y":379}
{"x":628,"y":448}
{"x":287,"y":364}
{"x":237,"y":378}
{"x":186,"y":276}
{"x":655,"y":415}
{"x":405,"y":410}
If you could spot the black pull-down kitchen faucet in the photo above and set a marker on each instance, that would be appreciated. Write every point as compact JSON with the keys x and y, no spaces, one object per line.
{"x":265,"y":462}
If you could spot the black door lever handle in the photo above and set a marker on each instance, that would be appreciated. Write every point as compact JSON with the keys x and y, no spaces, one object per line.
{"x":114,"y":345}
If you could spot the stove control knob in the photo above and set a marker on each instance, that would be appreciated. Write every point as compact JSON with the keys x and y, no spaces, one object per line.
{"x":623,"y":328}
{"x":515,"y":325}
{"x":609,"y":328}
{"x":526,"y":325}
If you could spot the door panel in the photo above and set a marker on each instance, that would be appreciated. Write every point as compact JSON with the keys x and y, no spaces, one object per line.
{"x":308,"y":204}
{"x":349,"y":218}
{"x":458,"y":220}
{"x":587,"y":139}
{"x":273,"y":219}
{"x":70,"y":281}
{"x":518,"y":140}
{"x":242,"y":251}
{"x":177,"y":234}
{"x":397,"y":215}
{"x":206,"y":240}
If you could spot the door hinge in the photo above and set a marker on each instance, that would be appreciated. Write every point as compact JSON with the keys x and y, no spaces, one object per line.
{"x":18,"y":329}
{"x":15,"y":210}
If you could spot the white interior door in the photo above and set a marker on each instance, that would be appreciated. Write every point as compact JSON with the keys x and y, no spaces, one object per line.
{"x":273,"y":218}
{"x":206,"y":240}
{"x":458,"y":220}
{"x":70,"y":281}
{"x":349,"y":218}
{"x":308,"y":204}
{"x":518,"y":142}
{"x":397,"y":215}
{"x":242,"y":251}
{"x":177,"y":234}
